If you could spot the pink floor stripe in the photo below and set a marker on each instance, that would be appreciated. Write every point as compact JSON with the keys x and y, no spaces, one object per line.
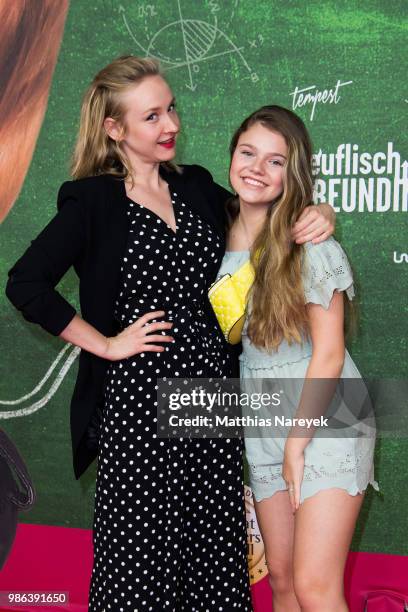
{"x":43,"y":558}
{"x":59,"y":559}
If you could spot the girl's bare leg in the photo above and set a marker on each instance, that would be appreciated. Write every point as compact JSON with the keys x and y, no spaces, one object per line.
{"x":276,"y":522}
{"x":324,"y":526}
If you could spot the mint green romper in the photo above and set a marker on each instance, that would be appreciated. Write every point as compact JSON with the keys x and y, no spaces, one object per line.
{"x":343,"y":462}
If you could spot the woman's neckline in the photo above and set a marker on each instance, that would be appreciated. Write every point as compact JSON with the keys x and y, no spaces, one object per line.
{"x":245,"y":251}
{"x":173,"y":198}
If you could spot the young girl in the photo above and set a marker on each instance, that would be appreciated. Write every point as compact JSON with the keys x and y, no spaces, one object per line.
{"x":308,"y":492}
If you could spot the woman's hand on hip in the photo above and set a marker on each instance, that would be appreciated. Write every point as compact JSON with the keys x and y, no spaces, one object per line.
{"x":139,"y":338}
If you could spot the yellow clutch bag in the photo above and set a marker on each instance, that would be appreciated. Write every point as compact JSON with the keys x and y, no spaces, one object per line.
{"x":228,"y":297}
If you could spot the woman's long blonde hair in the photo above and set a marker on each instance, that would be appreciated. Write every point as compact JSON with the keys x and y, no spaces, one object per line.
{"x":278,"y":308}
{"x":95,"y":152}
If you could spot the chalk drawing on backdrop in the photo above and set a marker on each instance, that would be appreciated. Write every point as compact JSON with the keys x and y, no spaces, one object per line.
{"x":193,"y":40}
{"x":55,"y":377}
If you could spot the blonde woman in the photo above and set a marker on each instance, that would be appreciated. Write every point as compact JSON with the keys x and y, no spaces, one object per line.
{"x":146,"y":238}
{"x":308,"y":492}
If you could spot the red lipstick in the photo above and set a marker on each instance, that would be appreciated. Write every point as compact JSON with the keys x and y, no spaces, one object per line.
{"x":168,"y":144}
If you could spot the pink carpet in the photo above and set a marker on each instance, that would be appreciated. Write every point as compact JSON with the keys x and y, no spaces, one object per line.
{"x":59,"y":559}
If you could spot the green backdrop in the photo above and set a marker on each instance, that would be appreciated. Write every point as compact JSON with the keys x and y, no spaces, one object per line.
{"x":223,"y":60}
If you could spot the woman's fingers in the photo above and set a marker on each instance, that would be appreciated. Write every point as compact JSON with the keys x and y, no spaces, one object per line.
{"x":149,"y":348}
{"x":309,"y":214}
{"x":313,"y":230}
{"x":311,"y":236}
{"x":157,"y":338}
{"x":312,"y":225}
{"x":322,"y":238}
{"x":139,"y":336}
{"x":147,"y":328}
{"x":152,"y":327}
{"x":157,"y":314}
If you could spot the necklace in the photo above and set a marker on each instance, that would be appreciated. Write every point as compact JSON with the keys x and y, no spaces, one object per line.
{"x":249,"y":242}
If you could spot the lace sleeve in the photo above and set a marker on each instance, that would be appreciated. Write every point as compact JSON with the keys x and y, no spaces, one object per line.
{"x":326,"y":269}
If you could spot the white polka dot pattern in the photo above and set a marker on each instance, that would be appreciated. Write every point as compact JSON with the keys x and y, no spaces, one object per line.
{"x":169,"y":525}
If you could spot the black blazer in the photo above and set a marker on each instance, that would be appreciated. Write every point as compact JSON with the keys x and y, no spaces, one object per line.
{"x":90,"y":232}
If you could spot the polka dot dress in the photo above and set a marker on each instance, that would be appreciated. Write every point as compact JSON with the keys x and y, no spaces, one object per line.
{"x":169,"y":525}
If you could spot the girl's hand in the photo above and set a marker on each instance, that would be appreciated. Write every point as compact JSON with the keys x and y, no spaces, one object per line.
{"x":137,"y":338}
{"x":316,"y":224}
{"x":292,"y":471}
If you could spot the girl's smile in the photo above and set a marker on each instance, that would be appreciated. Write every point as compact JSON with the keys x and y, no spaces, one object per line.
{"x":258,"y":165}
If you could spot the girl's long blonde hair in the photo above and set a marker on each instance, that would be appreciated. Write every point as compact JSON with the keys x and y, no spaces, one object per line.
{"x":278,"y":308}
{"x":95,"y":152}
